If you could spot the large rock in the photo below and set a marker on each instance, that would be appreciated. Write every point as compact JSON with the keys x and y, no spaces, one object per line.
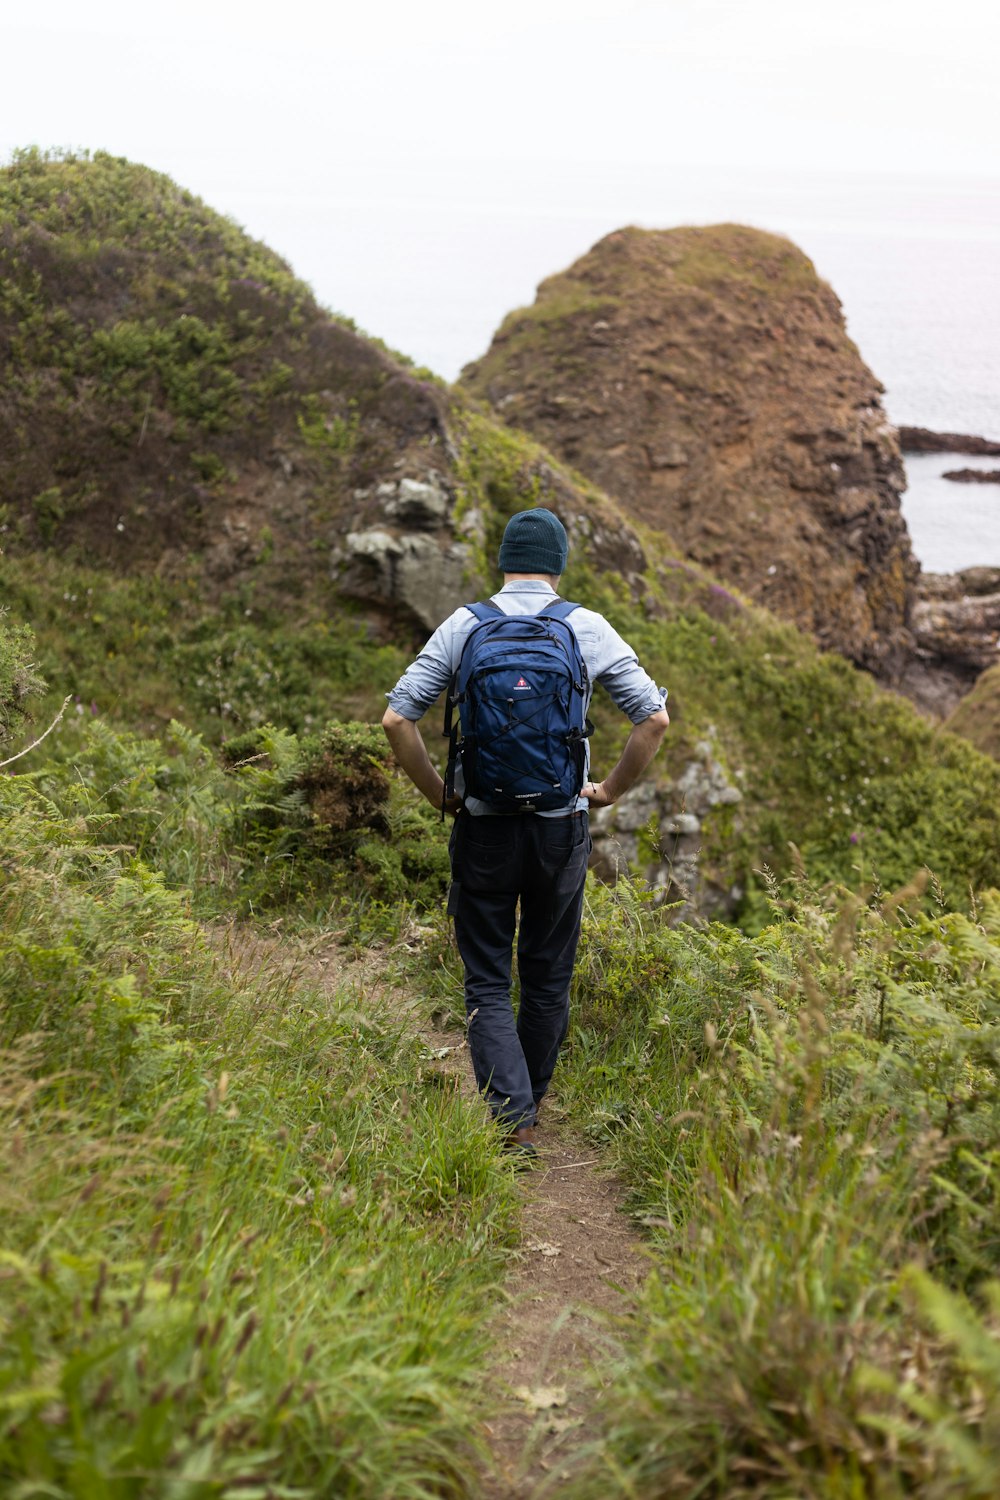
{"x":663,"y":828}
{"x":956,"y":629}
{"x":409,"y":560}
{"x":704,"y":377}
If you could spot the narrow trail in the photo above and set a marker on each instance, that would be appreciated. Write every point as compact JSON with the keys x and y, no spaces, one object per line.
{"x":578,"y":1260}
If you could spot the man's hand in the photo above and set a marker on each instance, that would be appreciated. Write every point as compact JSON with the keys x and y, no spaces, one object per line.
{"x":595,"y":794}
{"x":640,"y":747}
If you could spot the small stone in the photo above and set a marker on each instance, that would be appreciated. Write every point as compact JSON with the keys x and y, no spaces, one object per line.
{"x":541,"y":1397}
{"x":682,"y":823}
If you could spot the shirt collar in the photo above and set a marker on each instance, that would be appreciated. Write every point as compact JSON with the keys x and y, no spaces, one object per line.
{"x":527,"y":586}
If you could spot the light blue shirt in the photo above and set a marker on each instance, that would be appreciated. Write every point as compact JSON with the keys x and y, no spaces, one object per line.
{"x":610,"y":661}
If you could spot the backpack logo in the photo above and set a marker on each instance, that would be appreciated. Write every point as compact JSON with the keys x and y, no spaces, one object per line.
{"x":520,"y":683}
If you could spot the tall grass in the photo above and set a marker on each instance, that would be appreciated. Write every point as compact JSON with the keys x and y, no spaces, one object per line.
{"x":247,"y":1244}
{"x":805,"y":1118}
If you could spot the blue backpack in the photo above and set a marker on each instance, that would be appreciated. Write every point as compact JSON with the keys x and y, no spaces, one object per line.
{"x":521,"y":691}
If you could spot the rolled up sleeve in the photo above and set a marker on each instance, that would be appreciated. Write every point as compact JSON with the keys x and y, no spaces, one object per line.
{"x":427,"y":677}
{"x":632,"y":689}
{"x":612,"y":662}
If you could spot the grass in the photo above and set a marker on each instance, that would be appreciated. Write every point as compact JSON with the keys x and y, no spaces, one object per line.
{"x":249,"y":1242}
{"x":809,"y":1124}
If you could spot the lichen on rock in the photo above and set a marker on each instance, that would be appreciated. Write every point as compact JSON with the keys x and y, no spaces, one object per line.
{"x":659,"y":828}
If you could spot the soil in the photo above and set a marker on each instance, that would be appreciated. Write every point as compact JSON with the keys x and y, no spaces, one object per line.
{"x":570,"y":1279}
{"x":577,"y":1264}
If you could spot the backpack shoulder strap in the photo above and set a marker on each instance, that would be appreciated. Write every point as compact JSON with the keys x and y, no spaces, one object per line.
{"x":559,"y":609}
{"x":484,"y":611}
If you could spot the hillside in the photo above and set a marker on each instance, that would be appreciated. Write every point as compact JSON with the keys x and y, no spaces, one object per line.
{"x":705,"y":379}
{"x":977,"y":717}
{"x":258,"y":1235}
{"x":261,"y":523}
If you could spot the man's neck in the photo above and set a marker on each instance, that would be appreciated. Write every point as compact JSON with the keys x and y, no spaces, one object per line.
{"x":552,"y":579}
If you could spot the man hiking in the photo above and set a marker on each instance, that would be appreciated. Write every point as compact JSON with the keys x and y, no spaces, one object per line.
{"x":521,"y":670}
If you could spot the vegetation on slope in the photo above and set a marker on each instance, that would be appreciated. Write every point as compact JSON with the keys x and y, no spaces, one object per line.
{"x":248,"y":1240}
{"x":172,"y":396}
{"x":247,"y":1237}
{"x":226,"y":635}
{"x":18,"y":678}
{"x":977,"y":717}
{"x":810,"y":1123}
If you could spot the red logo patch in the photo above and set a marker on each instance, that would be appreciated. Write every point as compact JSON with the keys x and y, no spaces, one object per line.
{"x":521,"y":683}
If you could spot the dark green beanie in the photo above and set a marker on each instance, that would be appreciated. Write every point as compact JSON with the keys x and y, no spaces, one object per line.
{"x":534,"y":542}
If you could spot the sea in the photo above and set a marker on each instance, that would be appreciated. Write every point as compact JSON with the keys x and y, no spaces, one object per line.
{"x":432,"y":261}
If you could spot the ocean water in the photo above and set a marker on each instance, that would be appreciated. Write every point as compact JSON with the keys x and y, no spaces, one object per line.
{"x":952,"y":525}
{"x":431,"y":263}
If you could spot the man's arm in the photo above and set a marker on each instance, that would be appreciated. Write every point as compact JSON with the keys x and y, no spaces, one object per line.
{"x":640,"y":747}
{"x":411,"y":752}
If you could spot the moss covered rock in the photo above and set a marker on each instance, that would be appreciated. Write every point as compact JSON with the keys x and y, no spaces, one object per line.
{"x":977,"y":717}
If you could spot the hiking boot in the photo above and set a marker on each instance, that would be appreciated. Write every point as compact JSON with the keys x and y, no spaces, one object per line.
{"x":521,"y":1144}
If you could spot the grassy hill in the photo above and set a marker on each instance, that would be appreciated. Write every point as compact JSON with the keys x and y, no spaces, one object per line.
{"x":248,"y":1243}
{"x":188,"y":440}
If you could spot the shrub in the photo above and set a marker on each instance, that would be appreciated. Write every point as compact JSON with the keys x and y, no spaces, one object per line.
{"x":19,"y":681}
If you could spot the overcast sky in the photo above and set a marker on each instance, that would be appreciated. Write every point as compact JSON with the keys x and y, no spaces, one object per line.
{"x":854,"y":84}
{"x":425,"y":162}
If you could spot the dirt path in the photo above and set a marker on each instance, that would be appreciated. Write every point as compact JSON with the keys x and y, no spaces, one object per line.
{"x":579,"y":1256}
{"x":578,"y":1260}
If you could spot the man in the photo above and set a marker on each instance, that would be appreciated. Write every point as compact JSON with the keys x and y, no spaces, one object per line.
{"x":537,"y":858}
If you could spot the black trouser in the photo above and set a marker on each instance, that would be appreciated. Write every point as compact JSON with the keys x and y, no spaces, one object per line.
{"x":496,"y":861}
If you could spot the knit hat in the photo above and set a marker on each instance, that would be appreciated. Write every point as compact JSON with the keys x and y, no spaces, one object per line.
{"x":534,"y":542}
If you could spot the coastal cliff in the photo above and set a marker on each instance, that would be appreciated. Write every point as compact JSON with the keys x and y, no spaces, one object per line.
{"x":704,"y":377}
{"x":224,"y":508}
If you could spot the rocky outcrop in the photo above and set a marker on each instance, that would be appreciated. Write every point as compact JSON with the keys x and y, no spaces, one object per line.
{"x":973,"y":476}
{"x":956,"y":629}
{"x":662,"y":829}
{"x":923,"y":440}
{"x":705,"y":379}
{"x":408,"y":557}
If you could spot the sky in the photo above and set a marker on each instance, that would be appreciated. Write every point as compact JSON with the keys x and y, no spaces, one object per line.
{"x":424,"y":166}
